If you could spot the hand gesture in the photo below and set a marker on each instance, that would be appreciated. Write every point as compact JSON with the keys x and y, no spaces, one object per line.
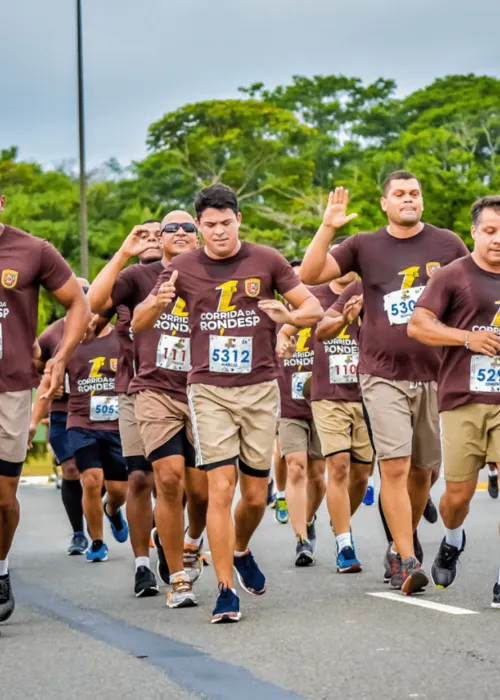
{"x":140,"y":240}
{"x":335,"y":213}
{"x":484,"y":342}
{"x":285,"y":346}
{"x":276,"y":311}
{"x":352,"y":308}
{"x":166,"y":292}
{"x":55,"y":369}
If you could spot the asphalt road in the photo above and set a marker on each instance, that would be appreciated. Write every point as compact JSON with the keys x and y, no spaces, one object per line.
{"x":79,"y":632}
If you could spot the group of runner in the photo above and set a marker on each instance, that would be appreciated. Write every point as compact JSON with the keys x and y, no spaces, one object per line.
{"x":225,"y":357}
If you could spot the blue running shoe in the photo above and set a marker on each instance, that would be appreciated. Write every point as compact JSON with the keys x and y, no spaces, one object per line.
{"x":369,"y":498}
{"x":281,"y":511}
{"x":250,"y":577}
{"x":347,"y":562}
{"x":227,"y":607}
{"x":98,"y":551}
{"x":119,"y":526}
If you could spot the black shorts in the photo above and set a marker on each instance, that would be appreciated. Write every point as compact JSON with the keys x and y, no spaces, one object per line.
{"x":58,"y":437}
{"x":99,"y":449}
{"x":11,"y":469}
{"x":177,"y":445}
{"x":138,"y":464}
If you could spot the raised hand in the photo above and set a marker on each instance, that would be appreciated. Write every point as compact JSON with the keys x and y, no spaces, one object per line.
{"x":166,"y":292}
{"x":140,"y":240}
{"x":335,"y":214}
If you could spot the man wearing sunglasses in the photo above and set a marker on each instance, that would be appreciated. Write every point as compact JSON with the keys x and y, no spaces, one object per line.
{"x":229,"y":287}
{"x":159,"y":392}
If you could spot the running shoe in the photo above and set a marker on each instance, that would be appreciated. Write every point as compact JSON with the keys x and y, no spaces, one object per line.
{"x":311,"y":533}
{"x":430,"y":511}
{"x":347,"y":562}
{"x":193,"y":562}
{"x":181,"y":594}
{"x":414,"y":579}
{"x":7,"y":602}
{"x":145,"y":583}
{"x":496,"y":596}
{"x":417,"y":548}
{"x":250,"y":577}
{"x":227,"y":607}
{"x":119,"y":526}
{"x":97,"y":551}
{"x":369,"y":498}
{"x":493,"y":485}
{"x":281,"y":511}
{"x":271,"y":494}
{"x":304,"y":554}
{"x":392,"y":564}
{"x":79,"y":544}
{"x":444,"y":568}
{"x":162,"y":569}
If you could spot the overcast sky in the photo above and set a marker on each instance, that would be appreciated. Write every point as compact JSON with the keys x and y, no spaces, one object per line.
{"x":146,"y":57}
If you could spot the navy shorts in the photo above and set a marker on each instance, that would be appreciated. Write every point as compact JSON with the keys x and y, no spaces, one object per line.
{"x":99,"y":449}
{"x":58,"y":437}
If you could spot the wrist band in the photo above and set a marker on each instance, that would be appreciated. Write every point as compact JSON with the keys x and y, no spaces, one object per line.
{"x":466,"y":343}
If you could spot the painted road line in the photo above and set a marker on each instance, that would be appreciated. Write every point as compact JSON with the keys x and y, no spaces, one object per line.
{"x":439,"y":607}
{"x":189,"y":667}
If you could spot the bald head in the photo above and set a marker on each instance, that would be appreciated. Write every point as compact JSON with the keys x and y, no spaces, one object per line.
{"x":176,"y":240}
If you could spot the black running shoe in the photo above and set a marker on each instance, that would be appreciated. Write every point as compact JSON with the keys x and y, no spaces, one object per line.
{"x":493,"y":485}
{"x":496,"y":596}
{"x":444,"y":568}
{"x":417,"y":547}
{"x":162,"y":569}
{"x":7,"y":602}
{"x":311,"y":533}
{"x":304,"y":554}
{"x":145,"y":583}
{"x":431,"y":513}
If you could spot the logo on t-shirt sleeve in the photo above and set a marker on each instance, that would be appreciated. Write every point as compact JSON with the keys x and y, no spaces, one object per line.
{"x":252,"y":287}
{"x":432,"y":267}
{"x":9,"y":278}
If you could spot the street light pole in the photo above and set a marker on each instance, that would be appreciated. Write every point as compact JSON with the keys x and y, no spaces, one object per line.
{"x":84,"y":246}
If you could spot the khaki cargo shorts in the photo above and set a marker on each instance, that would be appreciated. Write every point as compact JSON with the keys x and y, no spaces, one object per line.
{"x":471,"y":438}
{"x":404,"y":419}
{"x":15,"y":416}
{"x":342,"y":428}
{"x":130,"y":437}
{"x":299,"y":436}
{"x":232,"y":423}
{"x":159,"y":418}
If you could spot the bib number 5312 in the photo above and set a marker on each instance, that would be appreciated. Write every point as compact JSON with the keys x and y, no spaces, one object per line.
{"x":230,"y":354}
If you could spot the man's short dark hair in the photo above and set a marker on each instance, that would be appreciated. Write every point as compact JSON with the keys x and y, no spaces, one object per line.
{"x":491,"y":201}
{"x":216,"y":197}
{"x":398,"y":175}
{"x":150,"y":221}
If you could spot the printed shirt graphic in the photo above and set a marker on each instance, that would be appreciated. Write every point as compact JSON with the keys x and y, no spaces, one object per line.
{"x":465,"y":296}
{"x":394,"y":272}
{"x":26,"y":264}
{"x":335,"y":376}
{"x":232,"y":340}
{"x":48,"y":341}
{"x":92,"y":372}
{"x":294,"y":374}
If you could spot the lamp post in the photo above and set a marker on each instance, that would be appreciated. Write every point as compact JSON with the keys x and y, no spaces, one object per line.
{"x":84,"y":245}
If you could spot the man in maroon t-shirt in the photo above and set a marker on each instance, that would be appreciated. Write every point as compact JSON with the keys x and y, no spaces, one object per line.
{"x":229,"y":289}
{"x":397,"y":375}
{"x":26,"y":264}
{"x":459,"y":311}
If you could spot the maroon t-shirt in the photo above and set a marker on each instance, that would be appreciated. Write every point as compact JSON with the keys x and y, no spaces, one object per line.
{"x":232,"y":340}
{"x":26,"y":263}
{"x":294,"y":374}
{"x":48,"y":342}
{"x":335,"y":376}
{"x":93,"y":402}
{"x":467,"y":297}
{"x":394,"y":273}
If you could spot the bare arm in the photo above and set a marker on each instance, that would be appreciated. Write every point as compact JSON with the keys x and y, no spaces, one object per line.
{"x":330,"y":325}
{"x":40,"y":409}
{"x":307,"y":310}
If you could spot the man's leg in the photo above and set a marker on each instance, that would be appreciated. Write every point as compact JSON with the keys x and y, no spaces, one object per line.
{"x":396,"y":503}
{"x":197,"y":501}
{"x":140,"y":511}
{"x":92,"y":483}
{"x":296,"y":492}
{"x":358,"y":479}
{"x":72,"y":498}
{"x":9,"y":516}
{"x":419,"y":486}
{"x":169,"y":510}
{"x":316,"y":487}
{"x":220,"y":526}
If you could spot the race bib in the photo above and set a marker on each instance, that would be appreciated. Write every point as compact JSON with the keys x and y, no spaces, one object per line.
{"x":344,"y":369}
{"x":103,"y":408}
{"x":66,"y":383}
{"x":174,"y":353}
{"x":230,"y":355}
{"x":399,"y":305}
{"x":298,"y":381}
{"x":485,"y":373}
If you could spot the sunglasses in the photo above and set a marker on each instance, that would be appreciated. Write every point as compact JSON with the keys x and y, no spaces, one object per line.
{"x":173,"y":228}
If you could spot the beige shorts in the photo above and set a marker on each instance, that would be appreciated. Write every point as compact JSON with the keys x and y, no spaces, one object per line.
{"x":471,"y":438}
{"x":299,"y":436}
{"x":235,"y":422}
{"x":342,"y":428}
{"x":129,"y":432}
{"x":404,"y":419}
{"x":15,"y":416}
{"x":159,"y":418}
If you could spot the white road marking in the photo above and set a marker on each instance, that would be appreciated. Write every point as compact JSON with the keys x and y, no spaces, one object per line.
{"x":400,"y":598}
